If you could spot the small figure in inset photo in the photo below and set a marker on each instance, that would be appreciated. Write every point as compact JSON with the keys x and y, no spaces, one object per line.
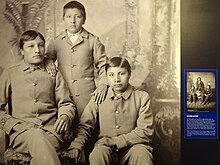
{"x":192,"y":94}
{"x":208,"y":94}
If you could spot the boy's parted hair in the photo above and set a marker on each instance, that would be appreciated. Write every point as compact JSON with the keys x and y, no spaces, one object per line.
{"x":119,"y":62}
{"x":28,"y":36}
{"x":75,"y":4}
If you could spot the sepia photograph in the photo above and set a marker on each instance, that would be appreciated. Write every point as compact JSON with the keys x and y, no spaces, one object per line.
{"x":200,"y":90}
{"x":201,"y":104}
{"x":91,"y":82}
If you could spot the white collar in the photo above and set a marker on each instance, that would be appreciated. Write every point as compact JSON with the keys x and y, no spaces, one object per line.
{"x":75,"y":34}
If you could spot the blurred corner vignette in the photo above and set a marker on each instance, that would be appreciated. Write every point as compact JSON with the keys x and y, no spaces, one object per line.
{"x":146,"y":32}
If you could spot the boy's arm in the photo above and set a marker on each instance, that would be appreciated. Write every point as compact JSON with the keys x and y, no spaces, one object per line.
{"x":144,"y":130}
{"x":51,"y":51}
{"x":64,"y":102}
{"x":87,"y":123}
{"x":100,"y":60}
{"x":7,"y":122}
{"x":50,"y":58}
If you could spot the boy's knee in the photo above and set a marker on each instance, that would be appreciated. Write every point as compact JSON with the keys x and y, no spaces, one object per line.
{"x":36,"y":135}
{"x":100,"y":152}
{"x":139,"y":153}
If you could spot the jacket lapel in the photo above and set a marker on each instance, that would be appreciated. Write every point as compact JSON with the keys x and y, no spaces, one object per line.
{"x":78,"y":41}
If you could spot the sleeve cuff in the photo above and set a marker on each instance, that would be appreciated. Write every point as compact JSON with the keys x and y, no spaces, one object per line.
{"x":76,"y":145}
{"x":120,"y":142}
{"x":9,"y":124}
{"x":70,"y":115}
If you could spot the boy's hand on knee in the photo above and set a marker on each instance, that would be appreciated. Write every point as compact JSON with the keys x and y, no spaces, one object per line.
{"x":62,"y":124}
{"x":107,"y":141}
{"x":75,"y":154}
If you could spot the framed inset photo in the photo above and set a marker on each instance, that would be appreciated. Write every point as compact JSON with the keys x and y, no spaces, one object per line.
{"x":200,"y":103}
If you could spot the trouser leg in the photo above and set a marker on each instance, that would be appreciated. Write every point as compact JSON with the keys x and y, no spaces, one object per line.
{"x":138,"y":155}
{"x":207,"y":98}
{"x":100,"y":155}
{"x":40,"y":144}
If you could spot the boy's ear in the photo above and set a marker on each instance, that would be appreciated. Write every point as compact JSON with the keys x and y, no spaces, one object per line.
{"x":129,"y":74}
{"x":22,"y":51}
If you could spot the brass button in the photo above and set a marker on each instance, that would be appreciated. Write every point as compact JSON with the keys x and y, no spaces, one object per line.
{"x":115,"y":98}
{"x":72,"y":65}
{"x":73,"y":81}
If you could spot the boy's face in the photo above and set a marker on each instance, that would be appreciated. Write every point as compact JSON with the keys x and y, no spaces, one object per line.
{"x":33,"y":51}
{"x":73,"y":20}
{"x":118,"y":78}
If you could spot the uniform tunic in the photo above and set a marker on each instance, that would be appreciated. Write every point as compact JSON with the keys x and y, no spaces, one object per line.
{"x":78,"y":64}
{"x":128,"y":120}
{"x":37,"y":99}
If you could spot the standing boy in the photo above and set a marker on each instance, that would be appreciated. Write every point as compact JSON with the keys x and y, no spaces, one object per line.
{"x":79,"y":54}
{"x":41,"y":109}
{"x":125,"y":122}
{"x":208,"y":95}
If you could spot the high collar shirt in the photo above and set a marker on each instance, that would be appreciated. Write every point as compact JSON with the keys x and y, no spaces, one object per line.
{"x":34,"y":97}
{"x":128,"y":119}
{"x":73,"y":37}
{"x":81,"y":63}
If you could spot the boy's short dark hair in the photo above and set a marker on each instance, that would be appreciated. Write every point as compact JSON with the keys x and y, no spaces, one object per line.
{"x":75,"y":4}
{"x":28,"y":36}
{"x":119,"y":62}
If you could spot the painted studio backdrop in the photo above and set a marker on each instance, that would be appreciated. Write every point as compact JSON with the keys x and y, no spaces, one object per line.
{"x":146,"y":32}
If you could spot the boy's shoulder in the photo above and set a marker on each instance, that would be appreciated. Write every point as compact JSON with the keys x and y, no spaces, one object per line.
{"x":13,"y":69}
{"x":139,"y":91}
{"x":14,"y":66}
{"x":61,"y":35}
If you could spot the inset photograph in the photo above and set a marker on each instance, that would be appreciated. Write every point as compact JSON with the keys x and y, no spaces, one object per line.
{"x":200,"y":90}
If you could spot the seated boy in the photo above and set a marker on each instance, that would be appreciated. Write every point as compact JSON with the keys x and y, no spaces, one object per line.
{"x":41,"y":107}
{"x":192,"y":94}
{"x":125,"y":122}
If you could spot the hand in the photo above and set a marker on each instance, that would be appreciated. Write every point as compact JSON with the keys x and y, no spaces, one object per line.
{"x":62,"y":124}
{"x":107,"y":141}
{"x":51,"y":67}
{"x":75,"y":154}
{"x":100,"y":93}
